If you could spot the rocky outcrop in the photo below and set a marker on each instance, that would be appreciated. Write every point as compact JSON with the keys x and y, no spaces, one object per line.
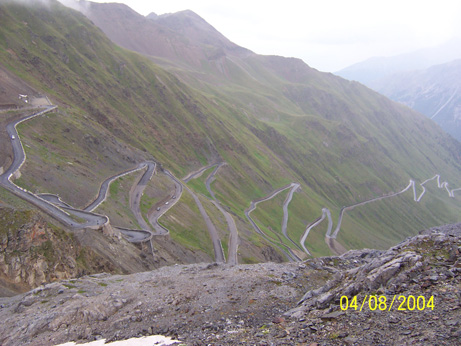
{"x":33,"y":252}
{"x":409,"y":294}
{"x":391,"y":272}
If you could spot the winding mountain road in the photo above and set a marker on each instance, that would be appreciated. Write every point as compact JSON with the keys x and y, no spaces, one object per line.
{"x":62,"y":213}
{"x":102,"y":195}
{"x":445,"y":104}
{"x":154,"y":215}
{"x":217,"y":246}
{"x":329,"y":237}
{"x":72,"y":217}
{"x":412,"y":184}
{"x":294,"y":187}
{"x":18,"y":149}
{"x":56,"y":200}
{"x":232,"y":258}
{"x":52,"y":204}
{"x":325,"y":212}
{"x":197,"y":173}
{"x":292,"y":257}
{"x":137,"y":192}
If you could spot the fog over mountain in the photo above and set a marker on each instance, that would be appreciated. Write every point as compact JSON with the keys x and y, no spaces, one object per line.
{"x":435,"y":92}
{"x":426,"y":80}
{"x":371,"y":72}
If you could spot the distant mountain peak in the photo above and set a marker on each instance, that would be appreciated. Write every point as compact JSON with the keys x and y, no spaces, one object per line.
{"x":187,"y":19}
{"x":152,"y":15}
{"x":182,"y":36}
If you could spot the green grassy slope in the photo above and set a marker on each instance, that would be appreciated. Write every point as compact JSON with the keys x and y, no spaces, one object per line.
{"x":273,"y":120}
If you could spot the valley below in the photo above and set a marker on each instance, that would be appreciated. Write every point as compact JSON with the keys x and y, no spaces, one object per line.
{"x":67,"y":215}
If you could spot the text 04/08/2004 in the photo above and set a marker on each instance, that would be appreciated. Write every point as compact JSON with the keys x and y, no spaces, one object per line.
{"x":382,"y":303}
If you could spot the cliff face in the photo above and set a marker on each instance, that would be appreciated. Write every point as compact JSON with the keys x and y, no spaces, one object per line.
{"x":33,"y":252}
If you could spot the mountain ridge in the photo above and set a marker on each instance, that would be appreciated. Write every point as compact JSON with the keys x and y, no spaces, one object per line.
{"x":376,"y":68}
{"x":434,"y":91}
{"x":301,"y":150}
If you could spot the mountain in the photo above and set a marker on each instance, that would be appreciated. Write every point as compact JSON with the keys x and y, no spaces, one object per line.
{"x":435,"y":92}
{"x":288,"y":140}
{"x":370,"y":72}
{"x":180,"y":37}
{"x":425,"y":80}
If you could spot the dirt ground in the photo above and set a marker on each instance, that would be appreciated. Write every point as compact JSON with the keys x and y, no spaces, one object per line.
{"x":211,"y":304}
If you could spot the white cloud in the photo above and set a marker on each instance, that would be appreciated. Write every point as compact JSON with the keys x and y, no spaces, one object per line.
{"x":81,"y":6}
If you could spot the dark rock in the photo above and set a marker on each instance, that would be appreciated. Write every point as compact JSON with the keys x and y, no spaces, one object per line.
{"x":332,"y":315}
{"x":351,"y":340}
{"x":278,"y":320}
{"x":393,"y":319}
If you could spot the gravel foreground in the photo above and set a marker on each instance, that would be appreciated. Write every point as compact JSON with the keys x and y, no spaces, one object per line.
{"x":342,"y":300}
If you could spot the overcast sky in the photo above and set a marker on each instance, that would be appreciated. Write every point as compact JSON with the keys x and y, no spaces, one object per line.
{"x":327,"y":34}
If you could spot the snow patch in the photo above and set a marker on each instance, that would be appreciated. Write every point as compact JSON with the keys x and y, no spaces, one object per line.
{"x":154,"y":340}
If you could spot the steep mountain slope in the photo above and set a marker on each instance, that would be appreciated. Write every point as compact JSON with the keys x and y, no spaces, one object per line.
{"x":278,"y":91}
{"x":110,"y":101}
{"x":273,"y":120}
{"x":435,"y":92}
{"x":179,"y":38}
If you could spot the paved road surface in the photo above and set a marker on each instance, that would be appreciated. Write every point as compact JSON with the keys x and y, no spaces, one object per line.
{"x":135,"y":235}
{"x":288,"y":252}
{"x":61,"y":213}
{"x":137,"y":192}
{"x":56,"y":200}
{"x":154,"y":215}
{"x":102,"y":195}
{"x":325,"y":212}
{"x":232,"y":258}
{"x":197,"y":173}
{"x":217,"y":246}
{"x":294,"y":187}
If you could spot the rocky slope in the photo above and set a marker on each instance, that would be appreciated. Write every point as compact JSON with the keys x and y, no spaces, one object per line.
{"x":34,"y":251}
{"x":263,"y":304}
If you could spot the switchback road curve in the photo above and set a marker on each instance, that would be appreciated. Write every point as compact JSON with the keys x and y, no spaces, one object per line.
{"x":61,"y":213}
{"x":292,"y":257}
{"x":232,"y":228}
{"x":326,"y":212}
